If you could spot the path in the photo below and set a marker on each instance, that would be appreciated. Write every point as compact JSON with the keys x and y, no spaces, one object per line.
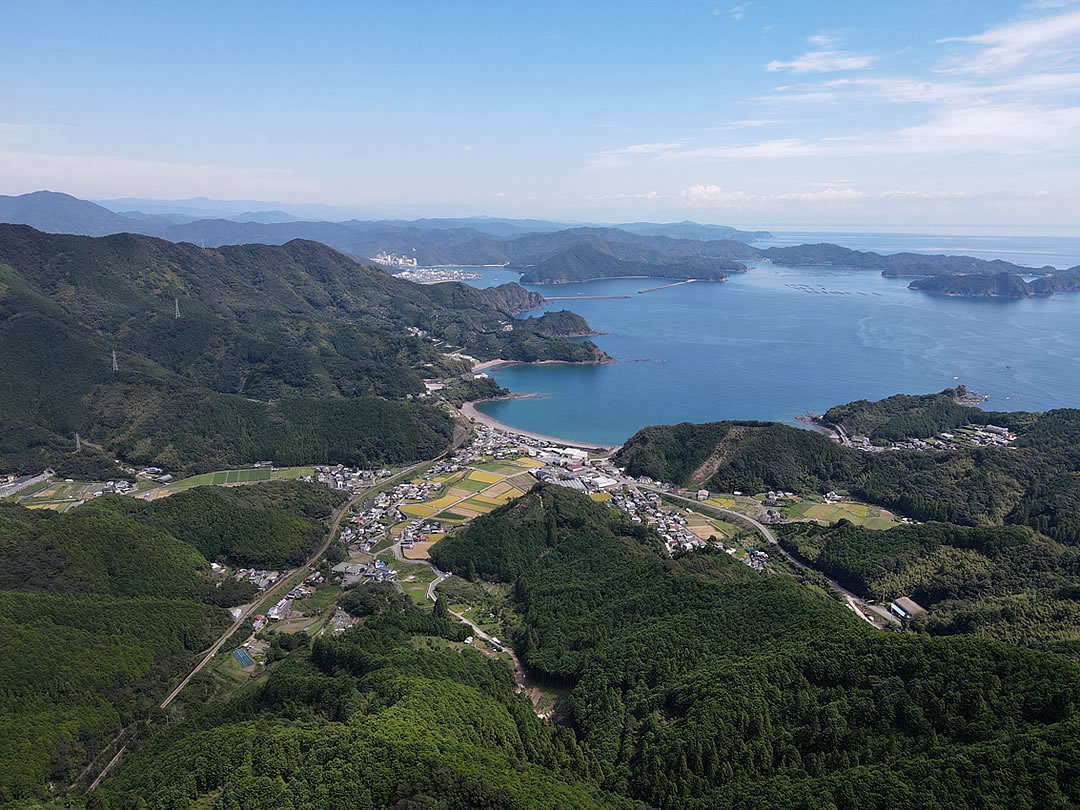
{"x":519,"y":669}
{"x":855,"y":602}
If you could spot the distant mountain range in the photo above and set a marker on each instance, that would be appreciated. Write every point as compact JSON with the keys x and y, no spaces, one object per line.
{"x":543,"y":251}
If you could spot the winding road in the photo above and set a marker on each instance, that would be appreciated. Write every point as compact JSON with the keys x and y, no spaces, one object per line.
{"x":857,"y":604}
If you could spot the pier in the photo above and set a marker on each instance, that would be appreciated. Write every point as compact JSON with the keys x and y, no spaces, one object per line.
{"x":665,"y":286}
{"x":584,"y":297}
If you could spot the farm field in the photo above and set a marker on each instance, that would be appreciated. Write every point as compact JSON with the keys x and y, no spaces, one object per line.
{"x":871,"y":517}
{"x":476,"y":491}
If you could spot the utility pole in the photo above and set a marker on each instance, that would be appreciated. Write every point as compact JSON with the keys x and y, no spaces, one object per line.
{"x":114,"y":368}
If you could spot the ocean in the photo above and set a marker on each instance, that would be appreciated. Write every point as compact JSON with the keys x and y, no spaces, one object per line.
{"x":777,"y":342}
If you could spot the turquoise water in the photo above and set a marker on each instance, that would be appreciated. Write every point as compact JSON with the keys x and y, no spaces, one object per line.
{"x":776,"y":342}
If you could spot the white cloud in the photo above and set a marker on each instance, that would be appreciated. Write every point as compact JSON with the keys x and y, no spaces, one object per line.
{"x":822,"y":62}
{"x":1013,"y":45}
{"x":622,"y":195}
{"x":615,"y":158}
{"x":110,"y":175}
{"x":1001,"y":129}
{"x":713,"y":196}
{"x":924,"y":195}
{"x":739,"y":11}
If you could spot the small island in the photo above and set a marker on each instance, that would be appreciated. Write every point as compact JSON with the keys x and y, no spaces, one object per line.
{"x":999,"y":285}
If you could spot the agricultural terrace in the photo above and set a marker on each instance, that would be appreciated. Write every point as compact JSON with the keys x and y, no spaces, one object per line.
{"x":474,"y":491}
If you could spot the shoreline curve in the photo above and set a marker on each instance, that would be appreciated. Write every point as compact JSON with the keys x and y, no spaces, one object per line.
{"x":470,"y":412}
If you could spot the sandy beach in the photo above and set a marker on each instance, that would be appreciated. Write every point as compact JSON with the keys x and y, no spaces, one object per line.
{"x":470,"y":412}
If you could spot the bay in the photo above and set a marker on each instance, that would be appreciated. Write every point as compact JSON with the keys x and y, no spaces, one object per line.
{"x":776,"y":342}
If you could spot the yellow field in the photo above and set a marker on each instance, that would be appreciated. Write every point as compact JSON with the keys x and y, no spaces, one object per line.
{"x":528,"y":463}
{"x":499,"y":489}
{"x":505,"y":497}
{"x":723,"y":503}
{"x":419,"y":510}
{"x":486,"y":477}
{"x":493,"y":501}
{"x":443,"y":502}
{"x":477,"y":506}
{"x":419,"y":551}
{"x":600,"y":497}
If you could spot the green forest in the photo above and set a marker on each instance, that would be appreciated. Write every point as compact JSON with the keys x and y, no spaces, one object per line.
{"x":103,"y":606}
{"x":693,"y":682}
{"x":274,"y":349}
{"x":1034,"y":483}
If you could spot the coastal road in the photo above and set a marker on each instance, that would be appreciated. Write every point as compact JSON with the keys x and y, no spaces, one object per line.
{"x":857,"y":604}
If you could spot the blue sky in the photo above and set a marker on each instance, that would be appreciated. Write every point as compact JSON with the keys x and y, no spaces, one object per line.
{"x":945,"y":113}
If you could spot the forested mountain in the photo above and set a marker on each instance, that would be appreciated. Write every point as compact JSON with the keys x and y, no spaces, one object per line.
{"x":61,"y":213}
{"x":1034,"y":483}
{"x":1003,"y":582}
{"x":101,"y":607}
{"x":278,"y":352}
{"x":586,"y":262}
{"x":696,"y":683}
{"x":545,"y":252}
{"x":1000,"y":285}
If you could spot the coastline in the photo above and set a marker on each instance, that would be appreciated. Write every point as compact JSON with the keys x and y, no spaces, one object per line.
{"x":470,"y":412}
{"x":498,"y":363}
{"x":615,"y":278}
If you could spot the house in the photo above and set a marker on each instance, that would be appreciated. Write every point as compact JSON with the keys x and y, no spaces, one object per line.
{"x":703,"y":494}
{"x":906,"y":608}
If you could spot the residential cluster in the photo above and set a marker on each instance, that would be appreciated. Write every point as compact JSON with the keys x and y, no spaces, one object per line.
{"x":373,"y":571}
{"x":437,"y":275}
{"x":968,"y":436}
{"x":393,"y":259}
{"x":342,"y":477}
{"x":260,"y":578}
{"x":647,"y":508}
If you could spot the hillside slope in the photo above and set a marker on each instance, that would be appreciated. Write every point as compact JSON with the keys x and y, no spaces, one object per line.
{"x":271,"y":343}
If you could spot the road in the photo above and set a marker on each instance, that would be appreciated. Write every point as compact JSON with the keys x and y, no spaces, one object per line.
{"x":247,"y":610}
{"x":519,"y":670}
{"x":857,"y":604}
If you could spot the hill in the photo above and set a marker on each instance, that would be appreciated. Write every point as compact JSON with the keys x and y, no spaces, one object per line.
{"x":279,"y":351}
{"x":101,"y":607}
{"x":697,"y":683}
{"x":999,"y":285}
{"x":895,"y":265}
{"x":586,"y":262}
{"x":545,"y":251}
{"x":1035,"y":482}
{"x":61,"y":213}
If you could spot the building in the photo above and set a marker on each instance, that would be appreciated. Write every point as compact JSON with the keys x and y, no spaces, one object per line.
{"x":703,"y":494}
{"x":906,"y":608}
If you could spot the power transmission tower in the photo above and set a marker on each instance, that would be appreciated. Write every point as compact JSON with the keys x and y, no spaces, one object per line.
{"x":177,"y":302}
{"x":78,"y":443}
{"x":114,"y":368}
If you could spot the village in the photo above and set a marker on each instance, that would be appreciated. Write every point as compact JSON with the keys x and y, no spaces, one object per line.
{"x":396,"y":519}
{"x":966,"y":436}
